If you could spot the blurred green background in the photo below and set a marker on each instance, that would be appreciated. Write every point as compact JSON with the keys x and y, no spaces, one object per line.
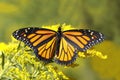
{"x":100,"y":15}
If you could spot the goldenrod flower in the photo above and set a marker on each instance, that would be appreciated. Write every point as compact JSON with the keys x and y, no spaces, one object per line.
{"x":92,"y":53}
{"x":2,"y":46}
{"x":22,"y":64}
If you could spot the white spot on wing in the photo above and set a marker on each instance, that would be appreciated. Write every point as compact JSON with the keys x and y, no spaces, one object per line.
{"x":89,"y":30}
{"x":26,"y":30}
{"x":91,"y":33}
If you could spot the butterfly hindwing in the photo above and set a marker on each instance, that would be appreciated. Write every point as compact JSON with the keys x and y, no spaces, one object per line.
{"x":42,"y":41}
{"x":67,"y":53}
{"x":83,"y":39}
{"x":46,"y":52}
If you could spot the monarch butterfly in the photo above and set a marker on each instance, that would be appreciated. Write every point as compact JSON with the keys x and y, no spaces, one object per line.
{"x":60,"y":46}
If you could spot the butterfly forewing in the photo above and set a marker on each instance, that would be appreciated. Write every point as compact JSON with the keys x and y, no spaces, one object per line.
{"x":83,"y":39}
{"x":42,"y":41}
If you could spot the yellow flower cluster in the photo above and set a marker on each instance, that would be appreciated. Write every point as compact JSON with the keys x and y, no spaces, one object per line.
{"x":21,"y":64}
{"x":92,"y":53}
{"x":55,"y":27}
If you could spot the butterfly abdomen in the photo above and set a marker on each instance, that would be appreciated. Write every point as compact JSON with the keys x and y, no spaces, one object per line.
{"x":58,"y":36}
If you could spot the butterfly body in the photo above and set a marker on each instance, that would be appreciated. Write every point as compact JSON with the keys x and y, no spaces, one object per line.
{"x":60,"y":46}
{"x":58,"y":35}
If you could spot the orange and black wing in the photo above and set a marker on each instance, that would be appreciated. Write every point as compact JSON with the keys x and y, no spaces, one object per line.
{"x":41,"y":40}
{"x":73,"y":41}
{"x":67,"y":53}
{"x":83,"y":39}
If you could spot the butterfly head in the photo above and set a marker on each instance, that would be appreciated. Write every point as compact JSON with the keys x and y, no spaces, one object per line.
{"x":59,"y":28}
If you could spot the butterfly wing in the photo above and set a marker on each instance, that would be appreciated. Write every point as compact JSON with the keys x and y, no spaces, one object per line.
{"x":66,"y":54}
{"x":76,"y":40}
{"x":83,"y":39}
{"x":41,"y":40}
